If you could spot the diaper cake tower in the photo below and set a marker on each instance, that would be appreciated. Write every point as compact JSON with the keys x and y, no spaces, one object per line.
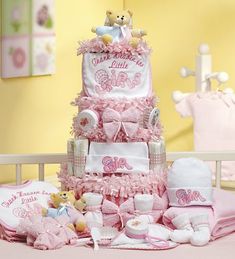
{"x":117,"y":149}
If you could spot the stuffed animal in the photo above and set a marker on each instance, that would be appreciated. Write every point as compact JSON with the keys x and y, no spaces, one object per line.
{"x":64,"y":203}
{"x":118,"y":26}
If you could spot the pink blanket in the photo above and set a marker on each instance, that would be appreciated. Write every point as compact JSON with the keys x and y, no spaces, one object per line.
{"x":221,"y":213}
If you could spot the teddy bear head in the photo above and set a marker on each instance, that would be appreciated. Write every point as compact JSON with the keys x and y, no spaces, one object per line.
{"x":118,"y":17}
{"x":66,"y":197}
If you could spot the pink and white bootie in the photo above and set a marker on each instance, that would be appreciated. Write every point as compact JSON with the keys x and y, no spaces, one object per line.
{"x":202,"y":234}
{"x":184,"y":231}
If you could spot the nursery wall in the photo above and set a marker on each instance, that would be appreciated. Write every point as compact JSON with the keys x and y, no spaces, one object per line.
{"x":175,"y":29}
{"x":35,"y":112}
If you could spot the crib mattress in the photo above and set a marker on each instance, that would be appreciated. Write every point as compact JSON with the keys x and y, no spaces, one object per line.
{"x":221,"y":248}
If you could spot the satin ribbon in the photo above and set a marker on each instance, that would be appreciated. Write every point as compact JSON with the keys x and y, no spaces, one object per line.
{"x":156,"y":214}
{"x":93,"y":208}
{"x":61,"y":210}
{"x":150,"y":239}
{"x":113,"y":122}
{"x":113,"y":214}
{"x":125,"y":30}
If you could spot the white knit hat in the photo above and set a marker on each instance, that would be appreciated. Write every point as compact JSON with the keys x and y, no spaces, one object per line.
{"x":189,"y":183}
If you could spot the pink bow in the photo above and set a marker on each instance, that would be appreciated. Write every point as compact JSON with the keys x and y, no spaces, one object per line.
{"x":113,"y":121}
{"x":112,"y":214}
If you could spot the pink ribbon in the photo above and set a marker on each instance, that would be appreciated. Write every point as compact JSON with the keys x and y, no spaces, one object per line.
{"x":154,"y":241}
{"x":113,"y":122}
{"x":93,"y":208}
{"x":156,"y":214}
{"x":112,"y":214}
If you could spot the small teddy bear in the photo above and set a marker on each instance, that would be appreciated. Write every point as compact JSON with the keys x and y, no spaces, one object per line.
{"x":64,"y":203}
{"x":118,"y":26}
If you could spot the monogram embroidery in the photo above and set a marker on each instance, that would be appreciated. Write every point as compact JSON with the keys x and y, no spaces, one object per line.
{"x":106,"y":83}
{"x":111,"y":164}
{"x":187,"y":196}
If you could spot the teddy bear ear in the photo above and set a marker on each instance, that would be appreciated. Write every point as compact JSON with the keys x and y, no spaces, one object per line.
{"x":130,"y":13}
{"x":108,"y":12}
{"x":53,"y":195}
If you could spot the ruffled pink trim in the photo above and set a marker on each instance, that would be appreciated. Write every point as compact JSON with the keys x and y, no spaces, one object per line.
{"x":99,"y":103}
{"x":98,"y":134}
{"x":119,"y":104}
{"x":117,"y":186}
{"x":96,"y":45}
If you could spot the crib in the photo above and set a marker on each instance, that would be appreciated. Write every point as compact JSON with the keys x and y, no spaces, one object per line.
{"x":42,"y":159}
{"x":218,"y":249}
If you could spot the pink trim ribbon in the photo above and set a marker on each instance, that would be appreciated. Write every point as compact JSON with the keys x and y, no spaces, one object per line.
{"x":114,"y":121}
{"x":150,"y":239}
{"x":112,"y":214}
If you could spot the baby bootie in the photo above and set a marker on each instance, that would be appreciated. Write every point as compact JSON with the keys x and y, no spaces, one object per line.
{"x":143,"y":207}
{"x":202,"y":235}
{"x":184,"y":230}
{"x":93,"y":215}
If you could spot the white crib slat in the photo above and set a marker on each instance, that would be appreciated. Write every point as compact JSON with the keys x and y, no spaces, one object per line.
{"x":18,"y":174}
{"x":41,"y":170}
{"x":218,"y":174}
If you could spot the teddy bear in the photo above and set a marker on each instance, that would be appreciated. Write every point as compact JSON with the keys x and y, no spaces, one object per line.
{"x":118,"y":26}
{"x":64,"y":203}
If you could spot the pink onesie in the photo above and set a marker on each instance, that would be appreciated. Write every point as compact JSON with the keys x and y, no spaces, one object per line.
{"x":213,"y":114}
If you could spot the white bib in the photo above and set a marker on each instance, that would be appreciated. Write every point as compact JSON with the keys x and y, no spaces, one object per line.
{"x":18,"y":202}
{"x":116,"y":75}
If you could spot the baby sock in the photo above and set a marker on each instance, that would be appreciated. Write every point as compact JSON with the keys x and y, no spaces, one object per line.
{"x":184,"y":230}
{"x":200,"y":224}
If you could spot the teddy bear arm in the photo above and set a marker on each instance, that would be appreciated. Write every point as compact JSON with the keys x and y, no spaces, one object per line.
{"x":138,"y":33}
{"x":80,"y":205}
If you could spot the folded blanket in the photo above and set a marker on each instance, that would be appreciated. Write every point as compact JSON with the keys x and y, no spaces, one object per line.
{"x":221,"y":213}
{"x":46,"y":232}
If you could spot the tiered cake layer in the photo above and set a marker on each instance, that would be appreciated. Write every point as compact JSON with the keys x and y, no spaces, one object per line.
{"x":118,"y":150}
{"x":114,"y":75}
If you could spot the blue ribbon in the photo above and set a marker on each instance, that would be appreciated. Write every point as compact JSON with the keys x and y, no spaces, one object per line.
{"x":62,"y":210}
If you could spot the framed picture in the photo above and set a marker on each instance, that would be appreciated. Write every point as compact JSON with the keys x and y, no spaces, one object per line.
{"x":28,"y":38}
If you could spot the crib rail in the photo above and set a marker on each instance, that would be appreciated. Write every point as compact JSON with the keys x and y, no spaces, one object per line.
{"x":39,"y":159}
{"x":42,"y":159}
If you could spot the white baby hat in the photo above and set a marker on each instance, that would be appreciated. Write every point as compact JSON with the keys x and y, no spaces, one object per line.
{"x":189,"y":183}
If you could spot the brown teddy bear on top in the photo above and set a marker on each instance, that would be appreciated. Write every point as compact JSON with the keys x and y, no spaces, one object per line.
{"x":118,"y":26}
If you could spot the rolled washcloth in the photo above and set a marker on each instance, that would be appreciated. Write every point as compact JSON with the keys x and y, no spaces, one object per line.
{"x":157,"y":154}
{"x":80,"y":153}
{"x":70,"y":155}
{"x":221,"y":213}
